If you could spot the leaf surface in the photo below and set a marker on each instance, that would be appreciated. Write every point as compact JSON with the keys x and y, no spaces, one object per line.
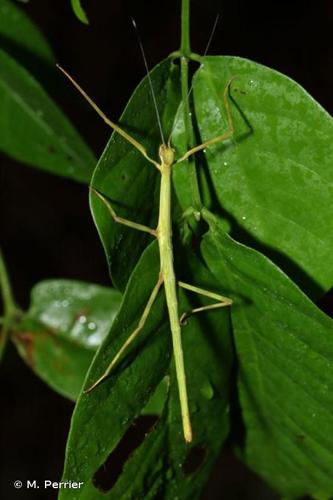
{"x":284,"y":346}
{"x":274,"y":179}
{"x":59,"y":334}
{"x":20,"y":37}
{"x":160,"y":465}
{"x":164,"y":466}
{"x":102,"y":416}
{"x":79,"y":12}
{"x":127,"y":179}
{"x":34,"y":130}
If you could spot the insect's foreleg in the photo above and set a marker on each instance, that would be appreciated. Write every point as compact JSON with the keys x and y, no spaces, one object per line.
{"x":121,"y":220}
{"x":111,"y":124}
{"x":132,"y":337}
{"x":222,"y":301}
{"x":220,"y":138}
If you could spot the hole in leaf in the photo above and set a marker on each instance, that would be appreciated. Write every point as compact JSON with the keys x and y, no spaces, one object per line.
{"x":194,"y":459}
{"x":108,"y":473}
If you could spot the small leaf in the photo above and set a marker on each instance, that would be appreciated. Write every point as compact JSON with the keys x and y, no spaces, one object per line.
{"x":127,"y":179}
{"x":274,"y":179}
{"x":66,"y":322}
{"x":34,"y":130}
{"x":79,"y":12}
{"x":284,"y":346}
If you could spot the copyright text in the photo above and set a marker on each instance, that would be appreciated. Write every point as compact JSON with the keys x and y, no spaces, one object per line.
{"x":47,"y":483}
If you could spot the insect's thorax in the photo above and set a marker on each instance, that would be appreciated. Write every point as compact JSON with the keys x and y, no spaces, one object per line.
{"x":167,"y":155}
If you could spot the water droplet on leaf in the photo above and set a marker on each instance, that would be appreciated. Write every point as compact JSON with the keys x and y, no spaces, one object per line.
{"x":207,"y":391}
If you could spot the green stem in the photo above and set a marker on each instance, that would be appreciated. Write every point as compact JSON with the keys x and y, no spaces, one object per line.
{"x":9,"y":307}
{"x":5,"y":288}
{"x":185,"y":33}
{"x":185,"y":53}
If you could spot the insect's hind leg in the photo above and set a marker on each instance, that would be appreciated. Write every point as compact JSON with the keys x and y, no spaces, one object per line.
{"x":220,"y":138}
{"x":132,"y":337}
{"x":222,"y":301}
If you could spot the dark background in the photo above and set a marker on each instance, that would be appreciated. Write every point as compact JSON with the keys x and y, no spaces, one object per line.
{"x":45,"y":226}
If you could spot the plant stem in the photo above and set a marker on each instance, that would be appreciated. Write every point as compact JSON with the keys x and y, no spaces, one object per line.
{"x":9,"y":307}
{"x":185,"y":33}
{"x":185,"y":52}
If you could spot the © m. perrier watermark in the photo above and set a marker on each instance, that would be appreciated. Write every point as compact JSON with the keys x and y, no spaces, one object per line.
{"x":47,"y":483}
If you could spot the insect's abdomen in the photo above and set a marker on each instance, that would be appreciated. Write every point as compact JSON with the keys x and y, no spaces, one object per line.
{"x":164,"y":235}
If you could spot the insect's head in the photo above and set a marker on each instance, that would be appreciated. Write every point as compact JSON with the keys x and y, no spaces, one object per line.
{"x":166,"y":154}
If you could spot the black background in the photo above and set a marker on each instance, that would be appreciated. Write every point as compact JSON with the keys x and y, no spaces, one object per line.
{"x":45,"y":226}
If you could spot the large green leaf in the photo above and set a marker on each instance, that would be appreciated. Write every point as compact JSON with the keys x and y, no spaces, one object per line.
{"x":126,"y":178}
{"x":66,"y":322}
{"x":274,"y":178}
{"x":164,"y":466}
{"x":103,"y":416}
{"x":161,"y":465}
{"x":21,"y":38}
{"x":34,"y":130}
{"x":284,"y":346}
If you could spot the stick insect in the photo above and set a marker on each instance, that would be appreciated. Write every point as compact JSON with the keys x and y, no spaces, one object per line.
{"x":163,"y":233}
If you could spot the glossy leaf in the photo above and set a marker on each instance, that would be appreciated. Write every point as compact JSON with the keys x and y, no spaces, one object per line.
{"x":164,"y":466}
{"x":284,"y":345}
{"x":21,"y":38}
{"x":66,"y":322}
{"x":102,"y":416}
{"x":34,"y":130}
{"x":159,"y":464}
{"x":127,"y":179}
{"x":274,"y":179}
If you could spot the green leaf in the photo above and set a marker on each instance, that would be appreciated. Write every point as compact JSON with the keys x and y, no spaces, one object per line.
{"x":157,"y":400}
{"x":274,"y":179}
{"x":21,"y":38}
{"x":164,"y":466}
{"x":34,"y":130}
{"x":284,"y":345}
{"x":127,"y":179}
{"x":102,"y":416}
{"x":79,"y":12}
{"x":160,"y":465}
{"x":66,"y":322}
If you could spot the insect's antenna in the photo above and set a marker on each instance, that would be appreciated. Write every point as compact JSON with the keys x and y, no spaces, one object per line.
{"x":149,"y":79}
{"x":212,"y":33}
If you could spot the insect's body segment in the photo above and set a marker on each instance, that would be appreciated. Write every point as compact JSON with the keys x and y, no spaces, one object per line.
{"x":163,"y":233}
{"x":167,"y":273}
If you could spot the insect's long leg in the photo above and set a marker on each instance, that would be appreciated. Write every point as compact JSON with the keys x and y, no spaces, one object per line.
{"x":220,"y":138}
{"x":121,"y":220}
{"x":222,"y":301}
{"x":111,"y":124}
{"x":132,"y":337}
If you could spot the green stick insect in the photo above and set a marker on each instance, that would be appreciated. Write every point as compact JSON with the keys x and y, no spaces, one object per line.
{"x":163,"y":233}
